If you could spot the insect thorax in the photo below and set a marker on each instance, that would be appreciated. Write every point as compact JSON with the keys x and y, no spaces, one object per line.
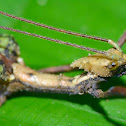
{"x":9,"y":49}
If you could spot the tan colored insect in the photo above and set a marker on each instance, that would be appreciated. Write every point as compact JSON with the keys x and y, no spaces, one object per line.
{"x":15,"y":76}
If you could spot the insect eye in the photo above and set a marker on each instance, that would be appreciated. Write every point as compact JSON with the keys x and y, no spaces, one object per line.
{"x":113,"y":64}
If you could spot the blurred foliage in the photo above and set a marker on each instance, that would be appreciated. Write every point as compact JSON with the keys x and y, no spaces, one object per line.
{"x":100,"y":18}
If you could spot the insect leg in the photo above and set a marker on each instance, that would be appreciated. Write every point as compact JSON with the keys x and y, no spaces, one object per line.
{"x":118,"y":90}
{"x":11,"y":88}
{"x":2,"y":99}
{"x":57,"y":69}
{"x":122,"y":40}
{"x":98,"y":93}
{"x":113,"y":91}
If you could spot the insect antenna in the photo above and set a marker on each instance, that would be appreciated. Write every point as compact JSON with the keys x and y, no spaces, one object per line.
{"x":111,"y":42}
{"x":54,"y":40}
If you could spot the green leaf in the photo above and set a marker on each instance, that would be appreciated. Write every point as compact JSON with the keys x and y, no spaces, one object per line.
{"x":100,"y":18}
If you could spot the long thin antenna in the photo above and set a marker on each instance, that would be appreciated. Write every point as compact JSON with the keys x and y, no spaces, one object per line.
{"x":54,"y":40}
{"x":62,"y":30}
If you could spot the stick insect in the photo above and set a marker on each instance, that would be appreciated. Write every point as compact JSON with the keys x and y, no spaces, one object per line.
{"x":16,"y":76}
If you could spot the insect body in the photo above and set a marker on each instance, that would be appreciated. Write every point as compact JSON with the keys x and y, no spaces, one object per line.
{"x":15,"y":76}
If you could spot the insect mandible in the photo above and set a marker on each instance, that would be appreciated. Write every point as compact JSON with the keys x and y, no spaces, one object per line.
{"x":16,"y":76}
